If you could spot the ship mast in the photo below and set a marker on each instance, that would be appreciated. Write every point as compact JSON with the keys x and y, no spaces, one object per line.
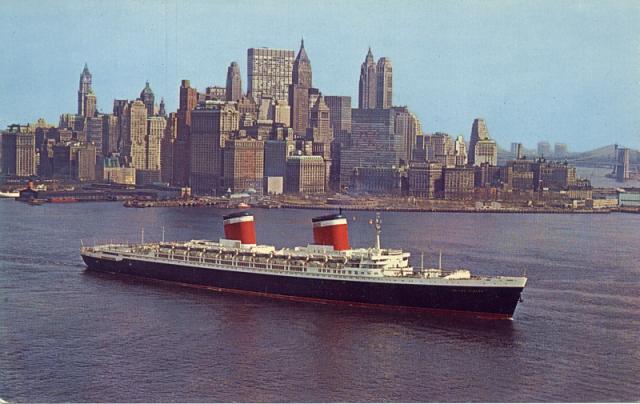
{"x":378,"y":226}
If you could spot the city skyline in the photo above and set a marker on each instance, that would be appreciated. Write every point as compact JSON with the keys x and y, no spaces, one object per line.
{"x":448,"y":75}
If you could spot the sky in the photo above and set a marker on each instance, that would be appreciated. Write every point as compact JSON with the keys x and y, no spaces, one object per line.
{"x":556,"y":71}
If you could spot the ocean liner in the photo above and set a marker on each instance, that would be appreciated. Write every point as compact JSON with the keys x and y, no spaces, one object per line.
{"x":328,"y":271}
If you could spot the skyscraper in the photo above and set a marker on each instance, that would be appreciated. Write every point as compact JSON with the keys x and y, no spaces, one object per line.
{"x":211,"y":124}
{"x":161,"y":109}
{"x":301,"y":73}
{"x":299,"y":92}
{"x":84,"y":89}
{"x":384,"y":83}
{"x":373,"y":142}
{"x":339,"y":115}
{"x":18,"y":151}
{"x":135,"y":134}
{"x":181,"y":164}
{"x":407,"y":127}
{"x":244,"y":165}
{"x":368,"y":82}
{"x":269,"y":72}
{"x":481,"y":148}
{"x":234,"y":83}
{"x":90,"y":105}
{"x":147,"y":97}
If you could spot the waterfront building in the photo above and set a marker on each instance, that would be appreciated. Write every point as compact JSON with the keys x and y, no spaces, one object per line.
{"x":373,"y":142}
{"x":244,"y":165}
{"x":18,"y":151}
{"x":487,"y":176}
{"x":109,"y":169}
{"x":629,"y":197}
{"x":148,"y":98}
{"x":552,"y":175}
{"x":458,"y":182}
{"x":544,"y":149}
{"x":482,"y":149}
{"x":368,"y":82}
{"x":84,"y":90}
{"x":269,"y":72}
{"x":234,"y":83}
{"x":181,"y":152}
{"x":425,"y":179}
{"x":305,"y":175}
{"x":377,"y":180}
{"x":211,"y":124}
{"x":384,"y":83}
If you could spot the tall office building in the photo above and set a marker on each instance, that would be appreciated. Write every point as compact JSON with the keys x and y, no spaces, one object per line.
{"x":18,"y":151}
{"x":481,"y":148}
{"x":384,"y":83}
{"x":86,"y":158}
{"x":166,"y":148}
{"x":305,"y":175}
{"x":94,"y":131}
{"x":301,"y":73}
{"x":407,"y":127}
{"x":269,"y":72}
{"x":84,"y":90}
{"x":181,"y":164}
{"x":339,"y":116}
{"x":109,"y":134}
{"x":368,"y":83}
{"x":321,"y":133}
{"x":244,"y":165}
{"x":211,"y":123}
{"x":234,"y":83}
{"x":373,"y":142}
{"x":90,"y":105}
{"x":135,"y":133}
{"x":299,"y":92}
{"x":147,"y":97}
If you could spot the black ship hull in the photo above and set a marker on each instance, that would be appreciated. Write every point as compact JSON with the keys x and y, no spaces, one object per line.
{"x":482,"y":301}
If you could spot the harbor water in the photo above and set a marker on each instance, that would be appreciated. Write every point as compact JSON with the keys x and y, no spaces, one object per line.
{"x":71,"y":335}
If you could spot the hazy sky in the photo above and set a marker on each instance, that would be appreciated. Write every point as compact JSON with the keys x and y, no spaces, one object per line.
{"x":561,"y":71}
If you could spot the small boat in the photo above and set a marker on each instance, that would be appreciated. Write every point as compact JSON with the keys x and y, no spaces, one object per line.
{"x":9,"y":194}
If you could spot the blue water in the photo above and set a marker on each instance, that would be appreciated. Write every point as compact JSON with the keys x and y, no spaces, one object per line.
{"x":69,"y":335}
